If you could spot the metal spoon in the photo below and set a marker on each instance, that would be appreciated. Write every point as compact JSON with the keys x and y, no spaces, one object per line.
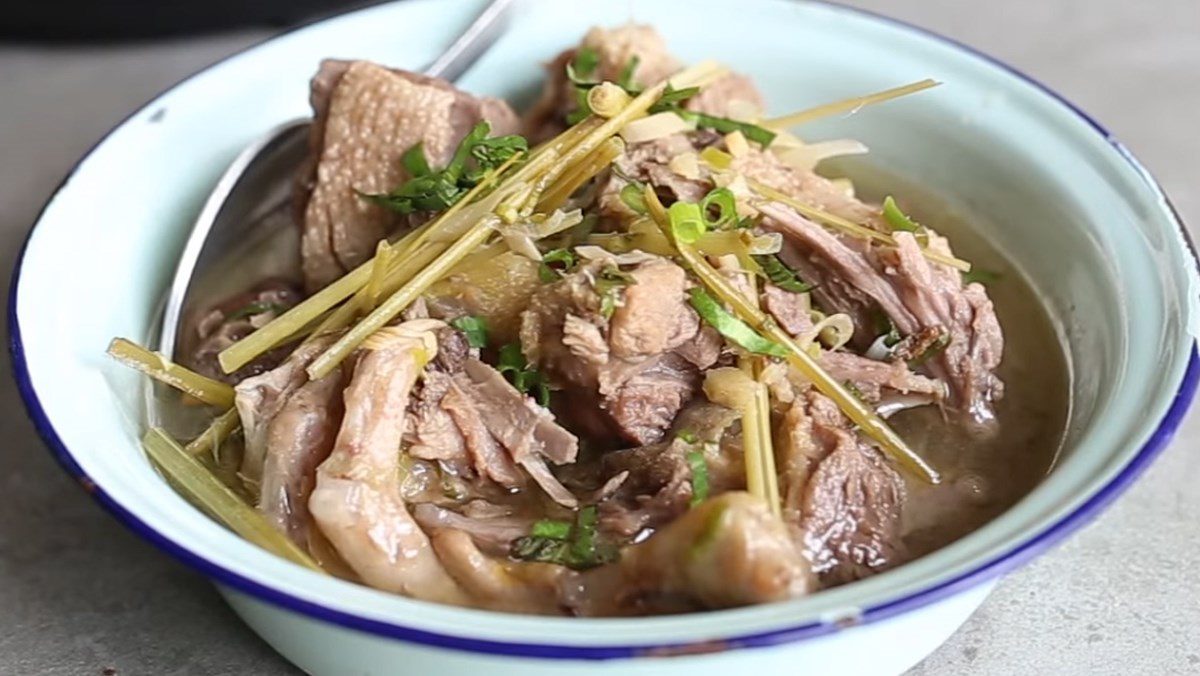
{"x":246,"y":213}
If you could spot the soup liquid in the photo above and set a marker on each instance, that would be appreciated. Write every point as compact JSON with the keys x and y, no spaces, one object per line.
{"x":981,"y":478}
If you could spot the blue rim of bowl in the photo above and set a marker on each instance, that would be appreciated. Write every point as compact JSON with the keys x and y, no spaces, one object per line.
{"x":1000,"y":565}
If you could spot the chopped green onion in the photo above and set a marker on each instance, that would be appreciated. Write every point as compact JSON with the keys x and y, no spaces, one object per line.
{"x":554,"y":264}
{"x":699,"y":467}
{"x":631,"y":195}
{"x":687,"y":222}
{"x":721,"y":201}
{"x":897,"y":218}
{"x":475,"y":329}
{"x":257,"y":307}
{"x":781,"y":275}
{"x":551,"y":528}
{"x":687,"y":436}
{"x":731,"y":327}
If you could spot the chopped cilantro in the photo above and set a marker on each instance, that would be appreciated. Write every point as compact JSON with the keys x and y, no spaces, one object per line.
{"x":475,"y":329}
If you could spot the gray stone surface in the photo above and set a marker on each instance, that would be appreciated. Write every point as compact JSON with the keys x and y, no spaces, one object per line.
{"x":79,"y":593}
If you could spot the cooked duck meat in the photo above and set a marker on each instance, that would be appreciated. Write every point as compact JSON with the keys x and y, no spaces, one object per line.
{"x":365,"y":117}
{"x":357,"y":502}
{"x":614,"y":51}
{"x":649,"y":162}
{"x":642,"y":363}
{"x":659,"y":478}
{"x":260,"y":399}
{"x":492,"y":533}
{"x":790,"y":309}
{"x":513,"y":586}
{"x":839,"y":494}
{"x":289,"y":423}
{"x":727,"y":551}
{"x":916,"y":295}
{"x":870,"y":377}
{"x":206,"y":336}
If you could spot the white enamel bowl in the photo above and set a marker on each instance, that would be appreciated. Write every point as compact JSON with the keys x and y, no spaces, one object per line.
{"x":1050,"y":188}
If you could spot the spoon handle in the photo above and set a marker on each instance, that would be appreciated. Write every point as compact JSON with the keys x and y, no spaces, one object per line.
{"x":474,"y":41}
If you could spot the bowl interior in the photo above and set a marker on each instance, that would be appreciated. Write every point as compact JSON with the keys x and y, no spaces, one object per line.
{"x":1046,"y":188}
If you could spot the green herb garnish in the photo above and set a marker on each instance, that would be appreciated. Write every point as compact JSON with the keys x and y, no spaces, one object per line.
{"x":634,"y":198}
{"x":609,"y":284}
{"x":699,"y":467}
{"x":513,"y":366}
{"x":781,"y":275}
{"x":937,"y":347}
{"x":551,"y":528}
{"x":429,"y":190}
{"x":582,"y":69}
{"x":687,"y":222}
{"x":897,"y":219}
{"x":672,"y":100}
{"x":886,"y":328}
{"x":977,"y":274}
{"x":687,"y":437}
{"x":475,"y":329}
{"x":554,"y":264}
{"x":731,"y":327}
{"x":257,"y":307}
{"x":625,"y":79}
{"x":719,"y":208}
{"x":573,"y":545}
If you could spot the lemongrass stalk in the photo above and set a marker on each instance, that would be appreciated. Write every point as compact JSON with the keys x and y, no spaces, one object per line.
{"x":849,"y":105}
{"x":607,"y":99}
{"x":292,"y":322}
{"x":759,"y":448}
{"x":164,"y":370}
{"x":205,"y":490}
{"x":849,"y":227}
{"x":394,"y":305}
{"x":277,"y":331}
{"x":854,"y":409}
{"x":215,"y":434}
{"x":598,"y":160}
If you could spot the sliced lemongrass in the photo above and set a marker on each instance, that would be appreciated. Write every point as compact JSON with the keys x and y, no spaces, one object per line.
{"x":305,"y":314}
{"x":847,"y":226}
{"x":853,"y":407}
{"x":566,"y":185}
{"x":607,"y":99}
{"x":849,"y":105}
{"x":164,"y":370}
{"x":206,"y":491}
{"x":215,"y":434}
{"x":394,"y":305}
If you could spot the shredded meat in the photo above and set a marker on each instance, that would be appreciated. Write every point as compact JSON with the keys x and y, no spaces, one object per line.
{"x":840,"y":496}
{"x":642,"y":365}
{"x":915,"y":294}
{"x":207,"y":334}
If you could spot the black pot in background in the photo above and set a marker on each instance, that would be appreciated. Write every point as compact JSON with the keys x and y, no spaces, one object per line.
{"x":104,"y":21}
